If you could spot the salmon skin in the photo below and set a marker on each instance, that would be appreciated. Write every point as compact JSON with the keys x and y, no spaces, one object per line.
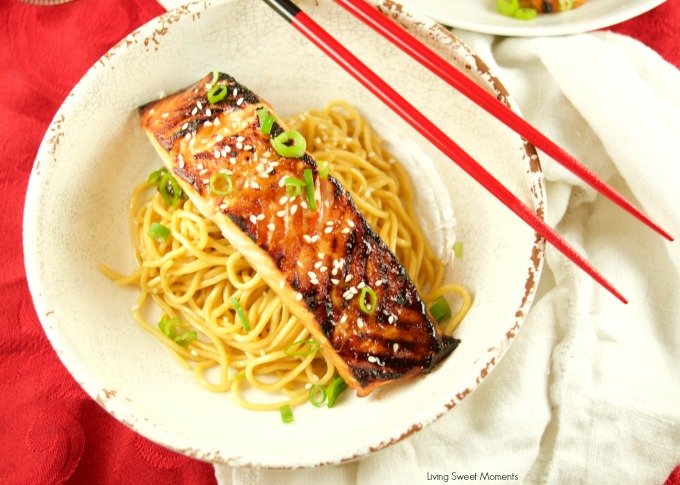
{"x":318,"y":260}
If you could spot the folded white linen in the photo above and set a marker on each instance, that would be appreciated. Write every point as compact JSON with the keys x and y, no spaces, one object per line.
{"x":589,"y":392}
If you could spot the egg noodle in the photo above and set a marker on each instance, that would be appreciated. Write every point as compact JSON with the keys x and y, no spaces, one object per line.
{"x":195,"y":276}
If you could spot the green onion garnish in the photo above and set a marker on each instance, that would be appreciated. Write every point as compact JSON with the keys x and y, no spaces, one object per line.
{"x":458,"y":249}
{"x":167,"y":326}
{"x":172,"y":193}
{"x":155,"y":176}
{"x":185,"y":338}
{"x":309,"y":184}
{"x":286,"y":414}
{"x":266,"y":121}
{"x":158,"y":232}
{"x":440,"y":310}
{"x":507,"y":7}
{"x":317,"y":395}
{"x":373,"y":299}
{"x":290,"y":144}
{"x":293,"y":186}
{"x":313,"y":347}
{"x":241,"y":314}
{"x":227,"y":181}
{"x":323,"y":169}
{"x":169,"y":329}
{"x":215,"y":77}
{"x":334,"y":389}
{"x":217,"y":93}
{"x":525,"y":13}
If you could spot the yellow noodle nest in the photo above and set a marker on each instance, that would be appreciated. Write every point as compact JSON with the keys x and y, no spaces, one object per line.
{"x":185,"y":275}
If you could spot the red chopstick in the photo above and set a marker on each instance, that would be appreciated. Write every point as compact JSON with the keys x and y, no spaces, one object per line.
{"x":439,"y":66}
{"x":336,"y":51}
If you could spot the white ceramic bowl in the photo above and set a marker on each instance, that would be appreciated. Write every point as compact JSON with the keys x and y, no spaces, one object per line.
{"x":94,"y":152}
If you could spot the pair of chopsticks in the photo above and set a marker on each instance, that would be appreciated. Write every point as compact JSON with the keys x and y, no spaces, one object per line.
{"x":439,"y":66}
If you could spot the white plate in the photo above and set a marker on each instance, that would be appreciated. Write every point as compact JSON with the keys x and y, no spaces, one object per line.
{"x":94,"y":152}
{"x":481,"y":16}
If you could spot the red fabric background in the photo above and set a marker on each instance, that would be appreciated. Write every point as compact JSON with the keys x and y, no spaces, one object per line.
{"x":51,"y":432}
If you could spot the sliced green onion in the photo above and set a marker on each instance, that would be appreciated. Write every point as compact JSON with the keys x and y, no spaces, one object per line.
{"x":323,"y":169}
{"x":313,"y":347}
{"x":525,"y":13}
{"x":458,"y":249}
{"x":240,"y":313}
{"x":309,"y":184}
{"x":158,"y":232}
{"x":167,"y":326}
{"x":286,"y":414}
{"x":290,"y":144}
{"x":293,"y":186}
{"x":334,"y":389}
{"x":227,"y":180}
{"x":170,"y":195}
{"x":440,"y":310}
{"x":217,"y":93}
{"x":507,"y":7}
{"x":266,"y":121}
{"x":566,"y":5}
{"x":317,"y":395}
{"x":185,"y":338}
{"x":373,"y":300}
{"x":156,"y":175}
{"x":215,"y":77}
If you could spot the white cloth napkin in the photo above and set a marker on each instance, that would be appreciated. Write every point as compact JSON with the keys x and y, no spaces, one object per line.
{"x":589,"y":393}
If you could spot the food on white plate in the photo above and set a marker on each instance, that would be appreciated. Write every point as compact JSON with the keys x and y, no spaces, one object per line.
{"x":310,"y":287}
{"x":528,"y":9}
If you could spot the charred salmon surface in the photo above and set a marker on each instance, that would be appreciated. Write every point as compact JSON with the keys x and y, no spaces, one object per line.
{"x":301,"y":231}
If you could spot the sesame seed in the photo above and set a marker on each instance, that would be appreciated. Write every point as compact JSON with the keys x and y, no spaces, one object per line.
{"x":223,"y":206}
{"x":335,"y":281}
{"x":293,"y":209}
{"x":248,"y":147}
{"x":194,"y":111}
{"x":254,"y":185}
{"x":350,"y":223}
{"x":260,"y":217}
{"x":203,"y":172}
{"x":335,"y":270}
{"x":343,"y":319}
{"x":307,"y":238}
{"x":185,"y":126}
{"x":391,"y":319}
{"x":323,"y":269}
{"x":328,"y":230}
{"x":283,"y":200}
{"x":199,"y":105}
{"x":208,"y":112}
{"x":239,"y":145}
{"x":395,"y":347}
{"x":194,"y":353}
{"x":303,"y":204}
{"x":216,"y":122}
{"x":271,"y":226}
{"x":199,"y":166}
{"x":320,"y":255}
{"x":361,"y":323}
{"x":361,"y":285}
{"x":253,"y":219}
{"x":219,"y":138}
{"x":372,"y":359}
{"x":232,"y":160}
{"x":318,"y":264}
{"x":298,"y":297}
{"x":299,"y":263}
{"x":165,"y":115}
{"x":235,"y":91}
{"x":281,"y":213}
{"x":282,"y":283}
{"x":207,"y":123}
{"x":181,"y":163}
{"x":206,"y":181}
{"x":315,"y":238}
{"x":330,"y":223}
{"x":239,"y":101}
{"x":347,"y":278}
{"x":346,"y":230}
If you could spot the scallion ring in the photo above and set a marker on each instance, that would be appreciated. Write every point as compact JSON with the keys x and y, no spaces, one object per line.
{"x":309,"y":185}
{"x":507,"y":7}
{"x":525,"y":13}
{"x":323,"y":169}
{"x":289,"y":144}
{"x":185,"y":338}
{"x":172,"y":193}
{"x":240,"y":313}
{"x":286,"y":414}
{"x":334,"y":389}
{"x":266,"y":121}
{"x":158,"y":232}
{"x":458,"y":249}
{"x":168,"y":325}
{"x":226,"y":180}
{"x":373,"y":300}
{"x":317,"y":395}
{"x":313,"y":347}
{"x":293,"y":186}
{"x":215,"y":78}
{"x":440,"y":310}
{"x":156,"y":175}
{"x":217,"y":93}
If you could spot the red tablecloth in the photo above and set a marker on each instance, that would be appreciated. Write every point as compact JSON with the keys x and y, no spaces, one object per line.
{"x":51,"y":432}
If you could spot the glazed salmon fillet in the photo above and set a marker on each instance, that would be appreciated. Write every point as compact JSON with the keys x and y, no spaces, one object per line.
{"x":314,"y":249}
